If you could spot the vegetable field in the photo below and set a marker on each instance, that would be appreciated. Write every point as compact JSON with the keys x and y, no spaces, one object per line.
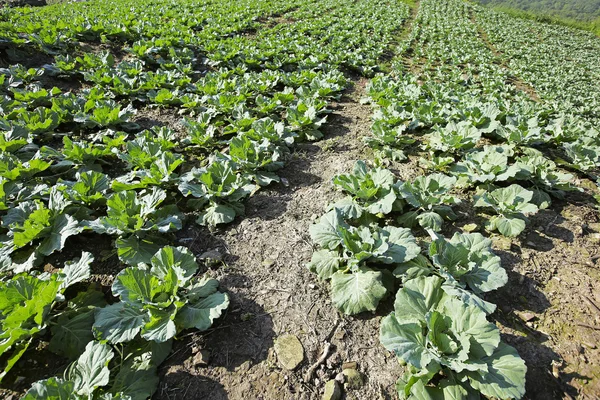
{"x":297,"y":199}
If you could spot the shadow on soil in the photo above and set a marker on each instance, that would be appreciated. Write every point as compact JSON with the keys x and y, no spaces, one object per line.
{"x":515,"y":301}
{"x":243,"y":335}
{"x":193,"y":387}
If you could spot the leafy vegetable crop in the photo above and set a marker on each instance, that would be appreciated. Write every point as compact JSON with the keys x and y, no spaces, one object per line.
{"x":440,"y":337}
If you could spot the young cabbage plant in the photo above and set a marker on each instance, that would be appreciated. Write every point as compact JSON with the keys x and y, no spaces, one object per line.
{"x":485,"y":166}
{"x":371,"y":190}
{"x":139,"y":222}
{"x":544,"y":177}
{"x":38,"y":121}
{"x":452,"y":351}
{"x":36,"y":229}
{"x":94,"y":376}
{"x":511,"y":204}
{"x":257,"y":161}
{"x":13,"y":169}
{"x":467,"y":264}
{"x":89,"y":188}
{"x":430,"y":199}
{"x":13,"y":138}
{"x":520,"y":132}
{"x":304,"y":119}
{"x":146,"y":149}
{"x":454,"y":137}
{"x":218,"y":191}
{"x":349,"y":257}
{"x":584,"y":153}
{"x":388,"y":142}
{"x":160,"y":299}
{"x":484,"y":116}
{"x":201,"y":131}
{"x":27,"y":302}
{"x":275,"y":132}
{"x":161,"y":173}
{"x":105,"y":113}
{"x":437,"y":163}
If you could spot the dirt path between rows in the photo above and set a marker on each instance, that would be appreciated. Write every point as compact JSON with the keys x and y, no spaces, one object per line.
{"x":272,"y":292}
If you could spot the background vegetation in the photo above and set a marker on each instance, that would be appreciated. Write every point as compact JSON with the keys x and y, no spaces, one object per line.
{"x":583,"y":14}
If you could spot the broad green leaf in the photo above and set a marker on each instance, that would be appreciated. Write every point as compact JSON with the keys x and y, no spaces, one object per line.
{"x":135,"y":384}
{"x":325,"y":232}
{"x":77,"y":271}
{"x":160,"y":327}
{"x":487,"y":276}
{"x":133,"y":250}
{"x":444,"y":391}
{"x":118,"y":323}
{"x":431,"y":220}
{"x":91,"y":369}
{"x":418,"y":297}
{"x":216,"y":214}
{"x":202,"y":287}
{"x":402,"y":245}
{"x":510,"y":227}
{"x":179,"y":259}
{"x":406,"y":340}
{"x":135,"y":286}
{"x":505,"y":378}
{"x":453,"y":288}
{"x":64,"y":226}
{"x":348,"y":207}
{"x":358,"y":291}
{"x":18,"y":350}
{"x":419,"y":266}
{"x":72,"y":332}
{"x":36,"y":223}
{"x":472,"y":321}
{"x":325,"y":263}
{"x":52,"y":389}
{"x":201,"y":313}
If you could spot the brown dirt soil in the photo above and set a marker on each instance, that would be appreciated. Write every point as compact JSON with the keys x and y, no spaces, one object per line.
{"x":549,"y":309}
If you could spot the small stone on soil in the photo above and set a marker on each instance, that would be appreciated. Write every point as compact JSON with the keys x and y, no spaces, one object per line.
{"x":526,"y":316}
{"x":332,"y":391}
{"x":354,"y":379}
{"x":594,"y":226}
{"x":212,"y":257}
{"x":502,"y":243}
{"x":202,"y":358}
{"x":289,"y":350}
{"x":470,"y":227}
{"x":589,"y":345}
{"x":268,"y":262}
